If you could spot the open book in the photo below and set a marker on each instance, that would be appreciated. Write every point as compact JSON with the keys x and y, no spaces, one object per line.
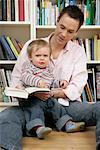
{"x":23,"y":93}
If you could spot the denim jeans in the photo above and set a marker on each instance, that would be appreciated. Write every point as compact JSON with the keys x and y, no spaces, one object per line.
{"x":88,"y":113}
{"x":12,"y":122}
{"x":37,"y":110}
{"x":16,"y":120}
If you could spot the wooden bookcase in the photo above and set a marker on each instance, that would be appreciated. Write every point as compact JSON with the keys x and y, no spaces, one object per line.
{"x":24,"y":31}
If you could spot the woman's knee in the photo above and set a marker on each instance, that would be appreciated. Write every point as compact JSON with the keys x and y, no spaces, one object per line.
{"x":12,"y":114}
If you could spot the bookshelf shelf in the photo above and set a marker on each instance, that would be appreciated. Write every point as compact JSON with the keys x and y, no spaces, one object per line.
{"x":5,"y":104}
{"x":92,"y":27}
{"x":5,"y":62}
{"x":14,"y":23}
{"x":85,"y":31}
{"x":93,"y":62}
{"x":12,"y":62}
{"x":83,"y":27}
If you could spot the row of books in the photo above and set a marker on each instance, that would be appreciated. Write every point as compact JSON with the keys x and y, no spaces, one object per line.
{"x":91,"y":47}
{"x":15,"y":10}
{"x":90,"y":91}
{"x":48,"y":11}
{"x":5,"y":80}
{"x":5,"y":76}
{"x":9,"y":48}
{"x":98,"y":81}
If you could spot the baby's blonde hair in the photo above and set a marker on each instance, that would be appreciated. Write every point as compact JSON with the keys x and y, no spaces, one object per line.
{"x":36,"y":45}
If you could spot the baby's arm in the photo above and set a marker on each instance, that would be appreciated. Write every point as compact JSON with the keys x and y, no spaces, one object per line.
{"x":20,"y":87}
{"x":63,"y":84}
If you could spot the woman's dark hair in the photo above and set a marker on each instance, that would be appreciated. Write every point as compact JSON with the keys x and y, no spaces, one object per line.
{"x":74,"y":12}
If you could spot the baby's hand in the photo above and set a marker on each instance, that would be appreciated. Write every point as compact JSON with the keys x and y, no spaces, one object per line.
{"x":63,"y":84}
{"x":41,"y":84}
{"x":20,"y":87}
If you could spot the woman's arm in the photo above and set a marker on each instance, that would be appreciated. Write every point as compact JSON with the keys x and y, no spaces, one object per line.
{"x":17,"y":70}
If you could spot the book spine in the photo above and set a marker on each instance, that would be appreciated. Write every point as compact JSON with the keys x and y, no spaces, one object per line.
{"x":12,"y":46}
{"x":15,"y":45}
{"x":2,"y":56}
{"x":1,"y":15}
{"x":21,"y":10}
{"x":27,"y":10}
{"x":8,"y":51}
{"x":4,"y":10}
{"x":12,"y":10}
{"x":16,"y":11}
{"x":8,"y":10}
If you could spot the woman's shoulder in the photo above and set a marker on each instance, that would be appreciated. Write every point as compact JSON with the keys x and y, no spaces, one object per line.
{"x":24,"y":49}
{"x":75,"y":46}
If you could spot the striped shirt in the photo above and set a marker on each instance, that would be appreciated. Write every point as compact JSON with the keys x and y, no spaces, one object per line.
{"x":31,"y":75}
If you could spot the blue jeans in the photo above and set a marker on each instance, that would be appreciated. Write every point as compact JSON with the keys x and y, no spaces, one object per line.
{"x":12,"y":122}
{"x":15,"y":120}
{"x":88,"y":113}
{"x":37,"y":110}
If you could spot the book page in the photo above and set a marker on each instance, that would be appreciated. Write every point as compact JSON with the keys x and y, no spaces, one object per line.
{"x":15,"y":92}
{"x":36,"y":89}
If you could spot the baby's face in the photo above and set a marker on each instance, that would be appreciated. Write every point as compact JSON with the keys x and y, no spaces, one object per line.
{"x":40,"y":58}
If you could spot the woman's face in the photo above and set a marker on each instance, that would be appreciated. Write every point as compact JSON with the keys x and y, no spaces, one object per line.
{"x":66,"y":29}
{"x":40,"y":58}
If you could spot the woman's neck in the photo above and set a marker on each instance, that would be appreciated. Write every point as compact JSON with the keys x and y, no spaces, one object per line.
{"x":55,"y":48}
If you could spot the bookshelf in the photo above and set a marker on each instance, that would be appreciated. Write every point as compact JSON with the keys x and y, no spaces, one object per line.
{"x":25,"y":30}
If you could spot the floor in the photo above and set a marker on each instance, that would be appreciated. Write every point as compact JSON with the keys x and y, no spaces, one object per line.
{"x":62,"y":141}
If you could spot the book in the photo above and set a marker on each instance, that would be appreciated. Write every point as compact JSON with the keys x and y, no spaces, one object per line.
{"x":92,"y":82}
{"x":8,"y":10}
{"x":21,"y":10}
{"x":12,"y":46}
{"x":19,"y":44}
{"x":8,"y":51}
{"x":2,"y":57}
{"x":88,"y":92}
{"x":16,"y":11}
{"x":1,"y":10}
{"x":87,"y":45}
{"x":3,"y":79}
{"x":98,"y":83}
{"x":95,"y":37}
{"x":98,"y":49}
{"x":88,"y":12}
{"x":23,"y":93}
{"x":15,"y":44}
{"x":4,"y":10}
{"x":26,"y":10}
{"x":3,"y":84}
{"x":12,"y":10}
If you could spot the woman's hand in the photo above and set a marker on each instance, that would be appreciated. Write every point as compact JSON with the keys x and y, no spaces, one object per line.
{"x":20,"y":87}
{"x":63,"y":84}
{"x":57,"y":93}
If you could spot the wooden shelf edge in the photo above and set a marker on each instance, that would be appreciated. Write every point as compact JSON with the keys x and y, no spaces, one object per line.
{"x":5,"y":104}
{"x":82,"y":27}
